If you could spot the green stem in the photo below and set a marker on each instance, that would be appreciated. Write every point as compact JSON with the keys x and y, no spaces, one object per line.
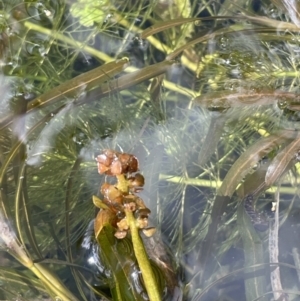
{"x":51,"y":282}
{"x":122,"y":184}
{"x":142,"y":258}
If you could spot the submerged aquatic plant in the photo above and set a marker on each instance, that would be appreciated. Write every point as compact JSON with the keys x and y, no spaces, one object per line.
{"x":205,"y":94}
{"x":123,"y":213}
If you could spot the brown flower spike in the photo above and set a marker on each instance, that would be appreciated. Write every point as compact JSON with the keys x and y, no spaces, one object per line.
{"x":120,"y":197}
{"x":114,"y":163}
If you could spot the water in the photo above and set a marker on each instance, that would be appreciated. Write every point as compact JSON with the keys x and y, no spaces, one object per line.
{"x":225,"y":112}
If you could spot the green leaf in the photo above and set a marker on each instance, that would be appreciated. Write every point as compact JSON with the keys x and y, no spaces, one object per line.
{"x":244,"y":98}
{"x":282,"y":162}
{"x":255,"y":284}
{"x":119,"y":257}
{"x":163,"y":25}
{"x":212,"y":138}
{"x":80,"y":83}
{"x":73,"y":87}
{"x":249,"y":159}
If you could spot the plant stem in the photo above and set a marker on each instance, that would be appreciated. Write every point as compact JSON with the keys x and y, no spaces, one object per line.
{"x":122,"y":184}
{"x":138,"y":247}
{"x":51,"y":282}
{"x":142,"y":258}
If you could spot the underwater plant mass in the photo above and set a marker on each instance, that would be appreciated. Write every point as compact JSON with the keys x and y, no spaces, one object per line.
{"x":191,"y":109}
{"x":123,"y":213}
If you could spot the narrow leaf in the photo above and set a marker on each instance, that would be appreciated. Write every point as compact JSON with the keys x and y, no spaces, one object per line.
{"x":212,"y":35}
{"x":73,"y":87}
{"x":82,"y":82}
{"x":249,"y":159}
{"x":205,"y":255}
{"x":212,"y":138}
{"x":163,"y":25}
{"x":128,"y":80}
{"x":281,"y":162}
{"x":244,"y":98}
{"x":255,"y":285}
{"x":209,"y":36}
{"x":278,"y":25}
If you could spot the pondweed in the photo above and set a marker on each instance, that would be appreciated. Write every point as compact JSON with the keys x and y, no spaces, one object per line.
{"x":205,"y":94}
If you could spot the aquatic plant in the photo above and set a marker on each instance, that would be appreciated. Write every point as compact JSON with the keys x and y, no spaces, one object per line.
{"x":204,"y":94}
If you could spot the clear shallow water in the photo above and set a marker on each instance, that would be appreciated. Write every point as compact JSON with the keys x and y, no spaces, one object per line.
{"x":244,"y":75}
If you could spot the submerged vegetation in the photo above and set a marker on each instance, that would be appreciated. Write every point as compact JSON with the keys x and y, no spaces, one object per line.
{"x":205,"y":94}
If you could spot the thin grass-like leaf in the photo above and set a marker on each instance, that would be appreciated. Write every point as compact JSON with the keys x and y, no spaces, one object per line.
{"x":74,"y":86}
{"x":254,"y":255}
{"x":279,"y":25}
{"x":212,"y":138}
{"x":281,"y":162}
{"x":236,"y":273}
{"x":18,"y":202}
{"x":274,"y":251}
{"x":10,"y":275}
{"x":29,"y":226}
{"x":220,"y":203}
{"x":68,"y":199}
{"x":249,"y":159}
{"x":82,"y":82}
{"x":219,"y":32}
{"x":163,"y":25}
{"x":128,"y":80}
{"x":155,"y":88}
{"x":248,"y":98}
{"x":204,"y":38}
{"x":254,"y":183}
{"x":50,"y":281}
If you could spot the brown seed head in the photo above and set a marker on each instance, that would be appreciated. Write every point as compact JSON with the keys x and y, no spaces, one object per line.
{"x":114,"y":163}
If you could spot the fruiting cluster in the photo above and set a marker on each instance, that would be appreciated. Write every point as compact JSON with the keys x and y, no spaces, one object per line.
{"x":121,"y":197}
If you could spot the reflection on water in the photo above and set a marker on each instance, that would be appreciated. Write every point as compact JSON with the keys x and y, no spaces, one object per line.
{"x":210,"y":108}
